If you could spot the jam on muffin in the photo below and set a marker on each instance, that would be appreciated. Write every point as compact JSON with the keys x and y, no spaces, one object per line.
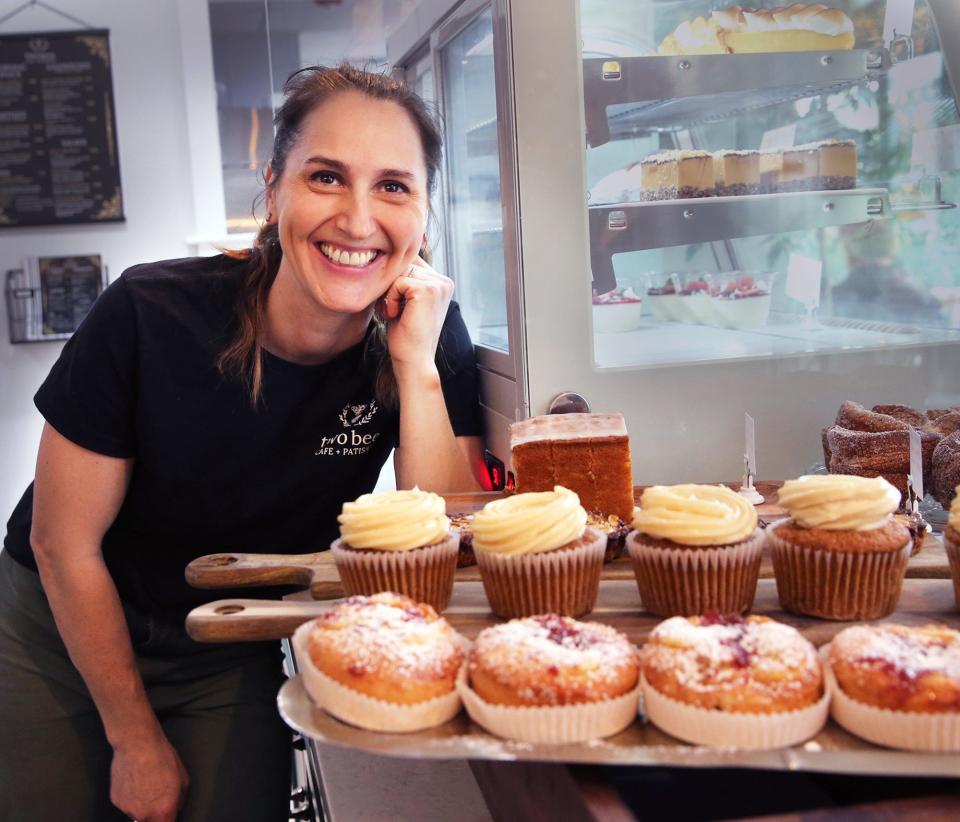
{"x":733,"y":681}
{"x":550,"y":679}
{"x":899,"y":668}
{"x":537,"y":555}
{"x":898,"y":686}
{"x":398,"y":541}
{"x":695,"y":548}
{"x":841,"y":555}
{"x":382,"y":662}
{"x":743,"y":665}
{"x":551,"y":660}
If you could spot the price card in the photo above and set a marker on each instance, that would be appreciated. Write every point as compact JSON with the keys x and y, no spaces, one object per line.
{"x":778,"y":137}
{"x":916,"y":464}
{"x":803,"y":279}
{"x":750,"y":444}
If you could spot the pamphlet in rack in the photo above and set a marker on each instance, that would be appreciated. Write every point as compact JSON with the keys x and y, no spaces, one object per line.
{"x":50,"y":296}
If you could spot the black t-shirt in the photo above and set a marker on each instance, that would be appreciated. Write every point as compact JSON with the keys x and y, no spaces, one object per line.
{"x":211,"y":472}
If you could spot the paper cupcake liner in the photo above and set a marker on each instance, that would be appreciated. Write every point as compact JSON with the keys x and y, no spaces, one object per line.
{"x":365,"y":711}
{"x":912,"y":731}
{"x":837,"y":584}
{"x":423,"y":574}
{"x":565,"y":581}
{"x":953,"y":555}
{"x":726,"y":729}
{"x":690,"y":581}
{"x":552,"y":724}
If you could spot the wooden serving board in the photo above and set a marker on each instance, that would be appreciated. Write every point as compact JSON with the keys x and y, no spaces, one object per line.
{"x":238,"y":620}
{"x":317,"y":571}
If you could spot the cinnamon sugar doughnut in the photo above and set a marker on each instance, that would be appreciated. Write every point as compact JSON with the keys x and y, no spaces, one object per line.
{"x":914,"y":669}
{"x":751,"y":665}
{"x":876,"y":442}
{"x":945,"y":469}
{"x":388,"y":647}
{"x":551,"y":660}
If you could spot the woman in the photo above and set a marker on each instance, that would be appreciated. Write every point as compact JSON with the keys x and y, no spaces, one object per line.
{"x":224,"y":403}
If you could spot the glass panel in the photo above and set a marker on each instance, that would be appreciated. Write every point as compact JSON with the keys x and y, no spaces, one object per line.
{"x":256,"y":46}
{"x":766,"y":194}
{"x":475,"y":228}
{"x":420,"y":77}
{"x":244,"y":105}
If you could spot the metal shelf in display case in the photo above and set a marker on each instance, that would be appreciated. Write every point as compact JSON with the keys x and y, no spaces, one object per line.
{"x":624,"y":227}
{"x":784,"y":335}
{"x":628,"y":95}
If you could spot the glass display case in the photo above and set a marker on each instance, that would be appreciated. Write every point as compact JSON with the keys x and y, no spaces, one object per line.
{"x":789,"y":258}
{"x":722,"y":211}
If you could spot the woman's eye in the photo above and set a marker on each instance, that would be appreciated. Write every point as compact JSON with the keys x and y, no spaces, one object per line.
{"x":393,"y":187}
{"x":325,"y":177}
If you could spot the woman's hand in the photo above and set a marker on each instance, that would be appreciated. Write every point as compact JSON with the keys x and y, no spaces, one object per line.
{"x":415,"y":307}
{"x":148,"y":781}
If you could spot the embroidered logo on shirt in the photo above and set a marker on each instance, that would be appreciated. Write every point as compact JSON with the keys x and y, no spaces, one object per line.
{"x":358,"y":414}
{"x":350,"y":442}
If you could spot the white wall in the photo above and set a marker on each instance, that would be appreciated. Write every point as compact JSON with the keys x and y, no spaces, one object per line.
{"x":155,"y":165}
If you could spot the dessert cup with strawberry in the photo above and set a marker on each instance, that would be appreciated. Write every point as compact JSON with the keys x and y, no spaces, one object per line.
{"x":743,"y":301}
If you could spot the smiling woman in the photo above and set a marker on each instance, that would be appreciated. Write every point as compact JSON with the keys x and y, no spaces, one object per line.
{"x":225,"y":403}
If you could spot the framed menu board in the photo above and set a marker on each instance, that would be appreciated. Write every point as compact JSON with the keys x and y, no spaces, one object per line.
{"x":58,"y":147}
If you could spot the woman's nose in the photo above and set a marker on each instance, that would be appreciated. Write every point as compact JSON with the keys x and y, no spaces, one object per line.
{"x":355,"y":218}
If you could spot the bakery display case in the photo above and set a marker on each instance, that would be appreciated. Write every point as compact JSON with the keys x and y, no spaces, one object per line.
{"x":705,"y":212}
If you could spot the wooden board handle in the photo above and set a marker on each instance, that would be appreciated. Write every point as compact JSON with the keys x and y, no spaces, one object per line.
{"x":246,"y":570}
{"x":249,"y":620}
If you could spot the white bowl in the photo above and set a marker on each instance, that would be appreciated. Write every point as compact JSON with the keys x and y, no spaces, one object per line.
{"x":616,"y":317}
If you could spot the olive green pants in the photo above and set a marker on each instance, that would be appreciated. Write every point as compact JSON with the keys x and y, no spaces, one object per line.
{"x":217,"y":705}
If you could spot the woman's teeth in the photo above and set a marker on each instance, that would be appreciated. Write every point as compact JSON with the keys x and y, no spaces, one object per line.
{"x":343,"y":257}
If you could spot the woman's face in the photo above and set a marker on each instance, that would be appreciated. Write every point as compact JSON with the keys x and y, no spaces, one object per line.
{"x":352,"y":202}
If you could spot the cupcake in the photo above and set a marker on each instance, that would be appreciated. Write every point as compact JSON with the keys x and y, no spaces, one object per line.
{"x":551,"y":679}
{"x":951,"y":541}
{"x":694,"y":549}
{"x":732,"y":681}
{"x":384,"y":662}
{"x":897,"y":686}
{"x":841,"y":555}
{"x":537,"y":555}
{"x":398,"y":541}
{"x":614,"y":528}
{"x":464,"y":524}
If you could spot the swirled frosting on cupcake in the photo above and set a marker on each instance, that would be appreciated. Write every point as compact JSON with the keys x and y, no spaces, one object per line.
{"x":695,"y":515}
{"x":529,"y":523}
{"x":954,"y":518}
{"x":840,"y":502}
{"x":394,"y":520}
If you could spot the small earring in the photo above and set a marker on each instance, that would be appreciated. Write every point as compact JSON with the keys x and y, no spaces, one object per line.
{"x":269,"y":217}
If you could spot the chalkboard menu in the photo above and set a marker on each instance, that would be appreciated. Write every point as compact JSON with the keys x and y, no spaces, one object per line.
{"x":58,"y":147}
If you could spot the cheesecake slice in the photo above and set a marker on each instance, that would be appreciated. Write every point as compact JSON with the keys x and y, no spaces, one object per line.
{"x":801,"y":168}
{"x":770,"y":164}
{"x":837,"y":164}
{"x":736,"y":172}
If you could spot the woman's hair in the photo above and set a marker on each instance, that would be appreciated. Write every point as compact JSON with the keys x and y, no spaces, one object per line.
{"x":304,"y":91}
